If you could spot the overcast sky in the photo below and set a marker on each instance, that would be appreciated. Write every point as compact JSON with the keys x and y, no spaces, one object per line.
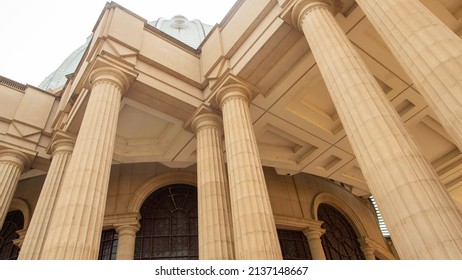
{"x":37,"y":35}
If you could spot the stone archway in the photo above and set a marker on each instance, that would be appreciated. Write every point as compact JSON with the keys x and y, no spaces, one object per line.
{"x":169,"y":224}
{"x":23,"y":206}
{"x":346,"y":210}
{"x":156,"y":183}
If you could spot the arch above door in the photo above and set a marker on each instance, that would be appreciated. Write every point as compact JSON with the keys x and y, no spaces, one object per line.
{"x":157,"y":182}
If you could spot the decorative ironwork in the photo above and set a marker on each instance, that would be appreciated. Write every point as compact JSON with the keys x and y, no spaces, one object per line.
{"x":168,"y":225}
{"x":294,"y":245}
{"x":108,"y":245}
{"x":14,"y":221}
{"x":340,"y":241}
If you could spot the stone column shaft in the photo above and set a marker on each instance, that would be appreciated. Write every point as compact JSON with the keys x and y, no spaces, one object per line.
{"x":127,"y":238}
{"x":40,"y":222}
{"x":255,"y":233}
{"x":422,"y":218}
{"x":313,"y":234}
{"x":215,"y":226}
{"x":12,"y":164}
{"x":75,"y":230}
{"x":429,"y":52}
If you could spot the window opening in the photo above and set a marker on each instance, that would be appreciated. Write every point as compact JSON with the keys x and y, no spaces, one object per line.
{"x":169,"y":224}
{"x":340,"y":241}
{"x":14,"y":221}
{"x":294,"y":245}
{"x":108,"y":245}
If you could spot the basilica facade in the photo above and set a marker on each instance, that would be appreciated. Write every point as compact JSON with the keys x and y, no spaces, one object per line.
{"x":267,"y":136}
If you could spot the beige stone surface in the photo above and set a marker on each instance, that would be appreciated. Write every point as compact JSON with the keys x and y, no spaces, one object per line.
{"x":428,"y":50}
{"x":313,"y":233}
{"x":41,"y":219}
{"x":400,"y":178}
{"x":12,"y":164}
{"x":35,"y":108}
{"x":126,"y":243}
{"x":75,"y":230}
{"x":298,"y":130}
{"x":255,"y":234}
{"x":367,"y":248}
{"x":214,"y":210}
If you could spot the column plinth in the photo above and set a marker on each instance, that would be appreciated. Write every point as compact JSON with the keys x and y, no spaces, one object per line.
{"x":12,"y":165}
{"x":423,"y":220}
{"x":75,"y":229}
{"x":215,"y":227}
{"x":41,"y":218}
{"x":429,"y":52}
{"x":127,"y":238}
{"x":255,"y":233}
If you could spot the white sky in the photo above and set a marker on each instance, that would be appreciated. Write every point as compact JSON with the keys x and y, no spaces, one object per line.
{"x":37,"y":35}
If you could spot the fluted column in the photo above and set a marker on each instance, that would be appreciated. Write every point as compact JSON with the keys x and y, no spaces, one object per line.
{"x":127,"y":238}
{"x":215,"y":227}
{"x":255,"y":233}
{"x":75,"y":229}
{"x":313,"y":233}
{"x":12,"y":164}
{"x":422,"y":218}
{"x":40,"y":222}
{"x":429,"y":52}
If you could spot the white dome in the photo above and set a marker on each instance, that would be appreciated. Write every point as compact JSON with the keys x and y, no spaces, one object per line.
{"x":190,"y":32}
{"x":58,"y":78}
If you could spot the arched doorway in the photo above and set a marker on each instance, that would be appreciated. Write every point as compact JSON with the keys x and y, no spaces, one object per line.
{"x":340,"y":242}
{"x":14,"y":221}
{"x":168,"y":224}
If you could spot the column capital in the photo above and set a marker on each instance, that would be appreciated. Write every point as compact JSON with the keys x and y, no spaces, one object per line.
{"x":62,"y":145}
{"x":127,"y":239}
{"x":367,"y":247}
{"x":15,"y":157}
{"x":314,"y":230}
{"x":208,"y":119}
{"x":302,"y":7}
{"x":365,"y":241}
{"x":110,"y":74}
{"x":233,"y":91}
{"x":127,"y":229}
